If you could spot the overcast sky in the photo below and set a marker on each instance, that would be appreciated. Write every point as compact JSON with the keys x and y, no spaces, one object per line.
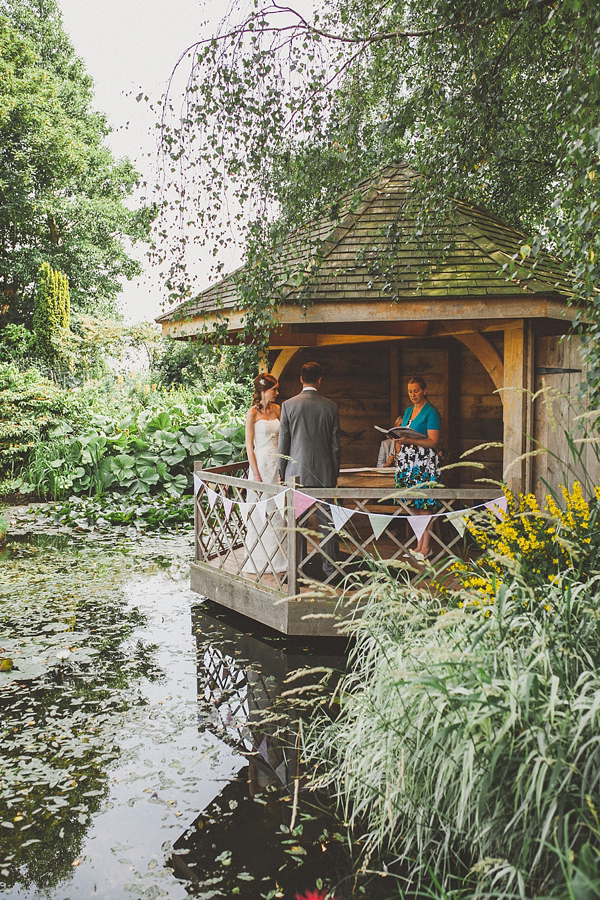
{"x":128,"y":46}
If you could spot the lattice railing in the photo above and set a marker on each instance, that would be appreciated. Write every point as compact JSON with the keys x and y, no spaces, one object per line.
{"x":236,"y":703}
{"x":264,"y":542}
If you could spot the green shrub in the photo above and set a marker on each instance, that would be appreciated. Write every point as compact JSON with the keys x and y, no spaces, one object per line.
{"x":202,"y":366}
{"x":16,"y":343}
{"x":51,"y":311}
{"x":31,"y":408}
{"x":148,"y":445}
{"x":468,"y":742}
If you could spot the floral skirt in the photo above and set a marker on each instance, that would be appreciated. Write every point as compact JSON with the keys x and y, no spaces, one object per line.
{"x":414,"y":466}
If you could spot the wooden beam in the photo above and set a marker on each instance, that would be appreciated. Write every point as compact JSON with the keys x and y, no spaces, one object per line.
{"x":487,"y":355}
{"x":442,"y":308}
{"x":516,"y":401}
{"x":394,"y":383}
{"x":357,"y":308}
{"x":284,"y":357}
{"x":332,"y":340}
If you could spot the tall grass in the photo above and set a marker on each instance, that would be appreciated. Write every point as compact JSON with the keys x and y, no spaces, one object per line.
{"x":468,"y":742}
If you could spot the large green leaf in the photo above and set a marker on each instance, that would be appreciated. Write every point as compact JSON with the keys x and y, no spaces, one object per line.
{"x":159,"y":422}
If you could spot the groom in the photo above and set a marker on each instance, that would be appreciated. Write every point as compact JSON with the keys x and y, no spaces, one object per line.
{"x":309,"y":445}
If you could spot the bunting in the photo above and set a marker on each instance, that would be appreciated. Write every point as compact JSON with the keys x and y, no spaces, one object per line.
{"x":340,"y":515}
{"x":459,"y":520}
{"x":379,"y":523}
{"x":498,"y":507}
{"x":280,"y":500}
{"x":419,"y":524}
{"x":302,"y":502}
{"x":261,"y":509}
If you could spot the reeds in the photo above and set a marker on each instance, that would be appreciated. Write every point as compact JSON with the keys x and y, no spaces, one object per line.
{"x":468,"y":741}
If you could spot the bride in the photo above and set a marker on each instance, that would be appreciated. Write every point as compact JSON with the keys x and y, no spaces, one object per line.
{"x":262,"y":431}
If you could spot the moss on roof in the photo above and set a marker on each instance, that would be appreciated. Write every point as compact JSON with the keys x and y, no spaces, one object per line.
{"x":371,"y":252}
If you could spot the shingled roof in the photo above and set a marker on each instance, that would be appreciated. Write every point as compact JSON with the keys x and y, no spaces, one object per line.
{"x":353,"y":257}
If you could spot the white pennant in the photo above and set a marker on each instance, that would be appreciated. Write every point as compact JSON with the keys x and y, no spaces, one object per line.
{"x":498,"y":507}
{"x":212,"y":497}
{"x":280,"y":500}
{"x":261,"y":509}
{"x":379,"y":523}
{"x":244,"y":509}
{"x":197,"y":484}
{"x":228,"y":504}
{"x":419,"y":524}
{"x":459,"y":520}
{"x":340,"y":515}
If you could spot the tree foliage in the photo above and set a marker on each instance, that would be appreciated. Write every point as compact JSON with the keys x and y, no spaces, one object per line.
{"x":62,"y":195}
{"x":494,"y":103}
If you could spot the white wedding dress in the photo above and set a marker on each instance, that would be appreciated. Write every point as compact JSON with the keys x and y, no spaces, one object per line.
{"x":266,"y":552}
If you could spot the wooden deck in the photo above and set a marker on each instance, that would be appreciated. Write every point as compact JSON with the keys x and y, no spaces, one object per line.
{"x":301,"y":600}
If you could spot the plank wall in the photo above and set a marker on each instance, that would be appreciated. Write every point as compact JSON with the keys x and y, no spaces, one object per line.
{"x":358,"y":378}
{"x":567,"y":437}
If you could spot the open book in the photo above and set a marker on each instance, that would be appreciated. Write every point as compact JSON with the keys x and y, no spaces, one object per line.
{"x":398,"y":431}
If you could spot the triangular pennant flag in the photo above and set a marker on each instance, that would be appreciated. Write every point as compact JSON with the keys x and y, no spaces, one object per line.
{"x":280,"y":500}
{"x":419,"y":524}
{"x":197,"y":484}
{"x":340,"y":515}
{"x":261,"y":509}
{"x":244,"y":509}
{"x":212,"y":497}
{"x":379,"y":523}
{"x":301,"y":503}
{"x":498,"y":507}
{"x":228,"y":504}
{"x":459,"y":520}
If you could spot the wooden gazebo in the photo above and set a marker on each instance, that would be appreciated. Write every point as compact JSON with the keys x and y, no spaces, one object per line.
{"x":484,"y":342}
{"x":373,"y":304}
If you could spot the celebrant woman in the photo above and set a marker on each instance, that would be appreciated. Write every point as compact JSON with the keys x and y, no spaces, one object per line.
{"x":416,"y":458}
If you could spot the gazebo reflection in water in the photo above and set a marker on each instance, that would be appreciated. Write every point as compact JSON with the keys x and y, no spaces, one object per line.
{"x":241,"y":678}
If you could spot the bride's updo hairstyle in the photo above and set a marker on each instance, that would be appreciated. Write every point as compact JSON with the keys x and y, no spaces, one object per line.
{"x":262,"y":383}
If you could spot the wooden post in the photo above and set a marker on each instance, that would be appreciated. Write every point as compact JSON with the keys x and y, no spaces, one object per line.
{"x":292,"y":537}
{"x":516,"y":398}
{"x":394,"y":383}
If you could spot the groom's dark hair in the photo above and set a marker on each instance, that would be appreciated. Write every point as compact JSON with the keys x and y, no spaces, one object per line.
{"x":311,"y":372}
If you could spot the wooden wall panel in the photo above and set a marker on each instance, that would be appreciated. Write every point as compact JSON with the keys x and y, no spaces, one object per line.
{"x":358,"y":378}
{"x":557,"y":413}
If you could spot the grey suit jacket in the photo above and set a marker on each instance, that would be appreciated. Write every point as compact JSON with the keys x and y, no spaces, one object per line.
{"x":309,"y":435}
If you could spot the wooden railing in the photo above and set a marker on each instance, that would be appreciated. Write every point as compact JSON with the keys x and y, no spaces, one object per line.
{"x":273,"y":548}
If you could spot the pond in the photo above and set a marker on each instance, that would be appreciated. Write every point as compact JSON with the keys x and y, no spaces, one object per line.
{"x":145,"y":752}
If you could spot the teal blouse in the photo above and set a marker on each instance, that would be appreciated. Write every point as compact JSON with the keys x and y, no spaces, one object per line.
{"x":428,"y":419}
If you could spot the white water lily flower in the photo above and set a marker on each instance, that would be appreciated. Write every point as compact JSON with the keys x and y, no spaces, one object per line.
{"x":63,"y":654}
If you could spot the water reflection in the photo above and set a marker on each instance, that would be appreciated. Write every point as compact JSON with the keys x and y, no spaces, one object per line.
{"x":160,"y":757}
{"x":263,"y":829}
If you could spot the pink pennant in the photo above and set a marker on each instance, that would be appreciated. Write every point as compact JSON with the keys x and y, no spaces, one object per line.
{"x":301,"y":503}
{"x":498,"y":507}
{"x":419,"y":524}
